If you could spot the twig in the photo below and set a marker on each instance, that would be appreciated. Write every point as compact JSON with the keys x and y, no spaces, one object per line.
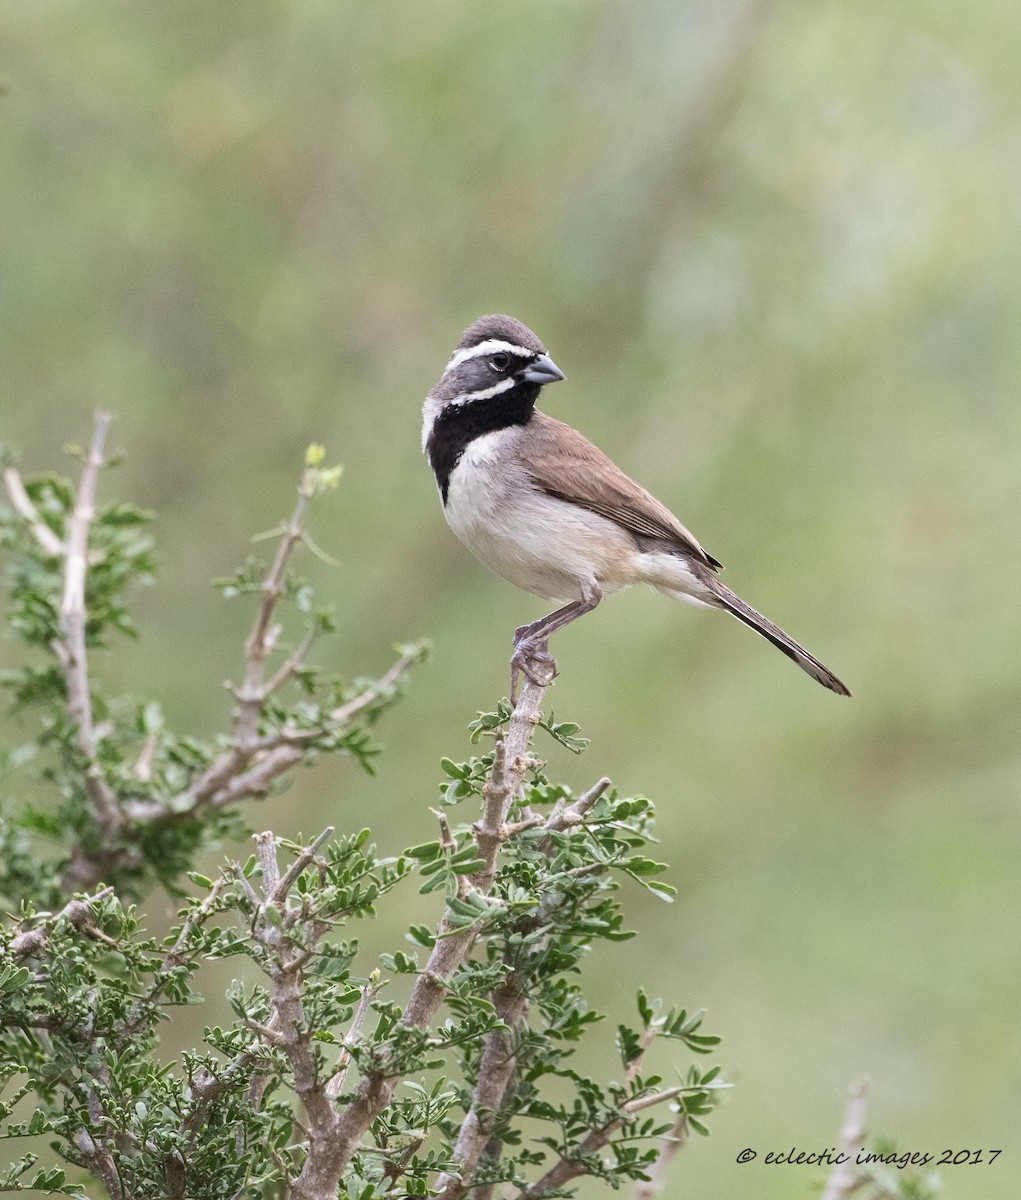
{"x":843,"y":1178}
{"x":73,"y":618}
{"x":261,"y":639}
{"x":563,"y":818}
{"x":649,"y":1035}
{"x":291,"y":664}
{"x":43,"y":534}
{"x":640,"y":1103}
{"x":449,"y":846}
{"x":266,"y":849}
{"x":77,"y":913}
{"x":143,"y":766}
{"x":335,"y":1084}
{"x":571,"y":1166}
{"x":175,"y":957}
{"x":353,"y":707}
{"x":655,"y":1185}
{"x":307,"y":856}
{"x":235,"y":775}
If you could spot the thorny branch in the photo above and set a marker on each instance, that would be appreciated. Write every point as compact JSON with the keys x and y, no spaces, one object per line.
{"x":498,"y":1063}
{"x":335,"y":1136}
{"x":252,"y":761}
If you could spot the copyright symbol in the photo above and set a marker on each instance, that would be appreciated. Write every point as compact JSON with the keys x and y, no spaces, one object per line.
{"x":746,"y":1156}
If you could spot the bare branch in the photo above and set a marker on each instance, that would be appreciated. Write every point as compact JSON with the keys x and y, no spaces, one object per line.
{"x":43,"y":534}
{"x":843,"y":1178}
{"x":292,"y":663}
{"x":72,"y":606}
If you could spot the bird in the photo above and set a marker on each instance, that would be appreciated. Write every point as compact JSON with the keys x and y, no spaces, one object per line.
{"x":544,"y":508}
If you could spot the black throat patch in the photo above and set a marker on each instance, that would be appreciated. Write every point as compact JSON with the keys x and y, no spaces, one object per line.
{"x":458,"y":425}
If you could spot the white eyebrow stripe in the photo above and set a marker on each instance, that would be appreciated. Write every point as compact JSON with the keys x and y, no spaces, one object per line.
{"x":492,"y":346}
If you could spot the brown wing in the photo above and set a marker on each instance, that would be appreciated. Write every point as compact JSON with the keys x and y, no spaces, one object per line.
{"x":565,"y":464}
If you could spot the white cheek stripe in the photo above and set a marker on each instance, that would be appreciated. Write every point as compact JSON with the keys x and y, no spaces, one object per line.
{"x":432,"y":408}
{"x":493,"y":346}
{"x":503,"y":386}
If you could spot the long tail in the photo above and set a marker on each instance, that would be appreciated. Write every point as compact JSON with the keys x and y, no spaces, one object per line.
{"x":773,"y":633}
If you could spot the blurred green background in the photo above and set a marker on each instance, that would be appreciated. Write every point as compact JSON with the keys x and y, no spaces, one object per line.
{"x":776,"y":248}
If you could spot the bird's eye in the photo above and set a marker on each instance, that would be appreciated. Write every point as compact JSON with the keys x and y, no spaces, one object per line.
{"x":500,"y":362}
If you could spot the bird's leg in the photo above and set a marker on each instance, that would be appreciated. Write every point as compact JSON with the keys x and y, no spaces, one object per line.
{"x":531,"y":642}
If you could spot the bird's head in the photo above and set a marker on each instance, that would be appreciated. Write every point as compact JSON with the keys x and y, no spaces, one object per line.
{"x":496,"y":355}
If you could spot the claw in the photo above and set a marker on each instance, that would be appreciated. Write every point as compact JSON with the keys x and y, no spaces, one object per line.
{"x":534,"y":661}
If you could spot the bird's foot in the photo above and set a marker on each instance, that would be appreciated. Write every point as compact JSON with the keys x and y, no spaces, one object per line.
{"x":533,"y":660}
{"x":523,"y":632}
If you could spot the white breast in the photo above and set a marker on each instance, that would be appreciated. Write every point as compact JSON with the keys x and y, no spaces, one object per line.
{"x":539,"y":543}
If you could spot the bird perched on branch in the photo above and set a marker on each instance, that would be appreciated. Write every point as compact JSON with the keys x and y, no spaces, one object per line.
{"x":541,"y":506}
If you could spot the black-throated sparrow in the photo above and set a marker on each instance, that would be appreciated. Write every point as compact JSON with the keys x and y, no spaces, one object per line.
{"x":541,"y":506}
